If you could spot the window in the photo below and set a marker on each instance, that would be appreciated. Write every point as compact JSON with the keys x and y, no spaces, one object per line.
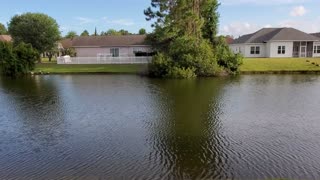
{"x":281,"y":50}
{"x":255,"y":50}
{"x":114,"y":52}
{"x":316,"y":49}
{"x":252,"y":50}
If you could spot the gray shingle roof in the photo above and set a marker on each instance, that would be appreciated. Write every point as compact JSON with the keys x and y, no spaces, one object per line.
{"x":109,"y":41}
{"x":316,"y":34}
{"x":275,"y":34}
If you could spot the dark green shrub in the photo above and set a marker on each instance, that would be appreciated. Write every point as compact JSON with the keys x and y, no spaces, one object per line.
{"x":225,"y":57}
{"x":8,"y":61}
{"x":160,"y":65}
{"x":17,"y":60}
{"x":181,"y":73}
{"x":26,"y":57}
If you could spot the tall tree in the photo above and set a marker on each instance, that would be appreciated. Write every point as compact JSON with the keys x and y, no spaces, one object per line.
{"x":71,"y":35}
{"x":40,"y":30}
{"x":95,"y":32}
{"x":85,"y":33}
{"x":211,"y":16}
{"x":3,"y":29}
{"x":142,"y":31}
{"x":181,"y":25}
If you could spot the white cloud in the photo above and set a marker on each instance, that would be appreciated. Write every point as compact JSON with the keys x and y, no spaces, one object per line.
{"x":261,"y":2}
{"x":84,"y":20}
{"x":298,"y":11}
{"x":303,"y":25}
{"x":238,"y":28}
{"x":122,"y":22}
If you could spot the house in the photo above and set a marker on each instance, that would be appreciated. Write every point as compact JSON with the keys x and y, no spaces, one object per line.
{"x":5,"y":38}
{"x":109,"y":46}
{"x":277,"y":42}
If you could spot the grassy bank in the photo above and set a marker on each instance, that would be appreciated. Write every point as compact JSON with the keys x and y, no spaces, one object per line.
{"x":96,"y":68}
{"x":250,"y":65}
{"x":280,"y":65}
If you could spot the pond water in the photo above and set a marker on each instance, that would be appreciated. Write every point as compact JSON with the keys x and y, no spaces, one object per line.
{"x":131,"y":127}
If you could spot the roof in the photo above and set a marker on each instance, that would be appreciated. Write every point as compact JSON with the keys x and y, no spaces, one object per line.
{"x":100,"y":41}
{"x":275,"y":34}
{"x":6,"y":38}
{"x":229,"y":40}
{"x":316,"y":34}
{"x":66,"y":43}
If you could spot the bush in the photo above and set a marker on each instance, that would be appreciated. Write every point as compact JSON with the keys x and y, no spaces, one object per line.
{"x":70,"y":52}
{"x":17,"y":60}
{"x":26,"y":57}
{"x":181,"y":73}
{"x":8,"y":60}
{"x":226,"y":58}
{"x":160,"y":65}
{"x":191,"y":53}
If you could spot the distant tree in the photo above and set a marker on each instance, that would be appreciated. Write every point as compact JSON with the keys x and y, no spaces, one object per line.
{"x":71,"y":35}
{"x":95,"y":32}
{"x":112,"y":32}
{"x":3,"y":29}
{"x":124,"y":32}
{"x":52,"y":52}
{"x":85,"y":33}
{"x":70,"y":52}
{"x":142,"y":31}
{"x":37,"y":29}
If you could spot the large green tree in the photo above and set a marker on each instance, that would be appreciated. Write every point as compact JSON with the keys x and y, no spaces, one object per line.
{"x":37,"y":29}
{"x":3,"y":29}
{"x":71,"y":35}
{"x":185,"y":37}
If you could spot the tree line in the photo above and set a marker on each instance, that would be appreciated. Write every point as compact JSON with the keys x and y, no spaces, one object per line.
{"x":113,"y":32}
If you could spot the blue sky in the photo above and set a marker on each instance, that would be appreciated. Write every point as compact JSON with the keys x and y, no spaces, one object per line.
{"x":238,"y":17}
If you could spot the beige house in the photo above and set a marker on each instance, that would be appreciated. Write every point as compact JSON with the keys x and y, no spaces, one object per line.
{"x":109,"y":46}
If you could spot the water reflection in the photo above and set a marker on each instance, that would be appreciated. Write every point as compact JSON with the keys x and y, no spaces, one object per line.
{"x":34,"y":117}
{"x":185,"y":138}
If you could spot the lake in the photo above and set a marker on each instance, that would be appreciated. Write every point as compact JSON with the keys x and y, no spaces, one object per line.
{"x":132,"y":127}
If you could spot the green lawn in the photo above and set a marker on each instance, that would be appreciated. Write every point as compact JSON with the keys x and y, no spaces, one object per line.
{"x":250,"y":65}
{"x":279,"y":64}
{"x":96,"y":68}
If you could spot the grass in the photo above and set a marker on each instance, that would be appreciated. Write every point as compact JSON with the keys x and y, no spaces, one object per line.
{"x":94,"y":68}
{"x":250,"y":65}
{"x":280,"y":65}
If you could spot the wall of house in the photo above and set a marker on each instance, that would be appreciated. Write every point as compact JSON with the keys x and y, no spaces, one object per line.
{"x":123,"y":51}
{"x":273,"y":52}
{"x":245,"y":49}
{"x":316,"y":54}
{"x":237,"y":48}
{"x":248,"y":50}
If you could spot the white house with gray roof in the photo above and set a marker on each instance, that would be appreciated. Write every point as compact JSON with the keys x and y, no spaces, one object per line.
{"x":277,"y":42}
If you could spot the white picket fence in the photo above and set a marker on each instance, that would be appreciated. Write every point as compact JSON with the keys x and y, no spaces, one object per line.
{"x":104,"y":60}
